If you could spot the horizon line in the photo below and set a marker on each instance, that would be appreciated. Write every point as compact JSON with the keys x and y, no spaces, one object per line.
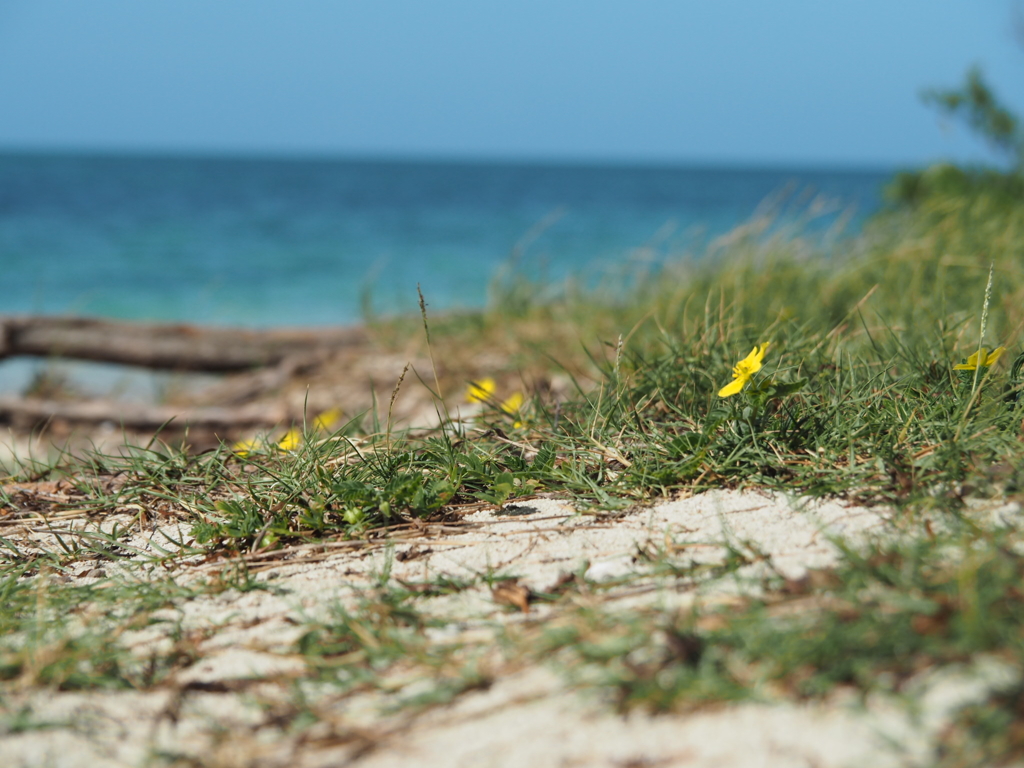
{"x":445,"y":158}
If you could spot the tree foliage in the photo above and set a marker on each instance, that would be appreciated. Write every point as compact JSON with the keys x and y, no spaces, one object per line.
{"x":975,"y":103}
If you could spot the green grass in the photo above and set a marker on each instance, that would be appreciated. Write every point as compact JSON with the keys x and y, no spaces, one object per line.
{"x":881,"y":617}
{"x":65,"y":637}
{"x":858,"y":398}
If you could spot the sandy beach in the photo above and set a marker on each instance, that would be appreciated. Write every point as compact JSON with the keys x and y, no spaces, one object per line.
{"x":225,"y":706}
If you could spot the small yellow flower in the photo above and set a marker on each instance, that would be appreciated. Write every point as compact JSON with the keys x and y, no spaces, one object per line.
{"x":512,"y":403}
{"x":744,"y":369}
{"x":244,"y":447}
{"x":480,"y":391}
{"x":328,"y":419}
{"x":980,"y":358}
{"x":511,"y":406}
{"x":292,"y":439}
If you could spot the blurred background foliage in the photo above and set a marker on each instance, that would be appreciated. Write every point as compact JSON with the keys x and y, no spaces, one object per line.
{"x":918,"y":269}
{"x":975,"y":104}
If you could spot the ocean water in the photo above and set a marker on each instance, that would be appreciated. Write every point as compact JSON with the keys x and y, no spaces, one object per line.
{"x":263,"y":242}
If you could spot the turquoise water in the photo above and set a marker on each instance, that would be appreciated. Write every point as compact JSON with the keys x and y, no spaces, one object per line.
{"x":264,"y":242}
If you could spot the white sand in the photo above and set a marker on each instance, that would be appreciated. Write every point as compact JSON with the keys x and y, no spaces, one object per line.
{"x":530,"y":715}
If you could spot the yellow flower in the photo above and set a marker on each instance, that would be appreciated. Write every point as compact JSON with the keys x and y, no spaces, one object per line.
{"x":511,"y":406}
{"x":328,"y":419}
{"x":292,"y":439}
{"x":744,"y":369}
{"x":980,"y":358}
{"x":480,"y":391}
{"x":244,"y":447}
{"x":512,"y":403}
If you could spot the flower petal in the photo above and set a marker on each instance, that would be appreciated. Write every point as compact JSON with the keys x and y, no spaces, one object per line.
{"x":328,"y":419}
{"x":760,"y":352}
{"x":995,"y":355}
{"x":733,"y":387}
{"x":480,"y":391}
{"x":512,"y":403}
{"x":292,"y":439}
{"x":750,"y":360}
{"x":244,"y":447}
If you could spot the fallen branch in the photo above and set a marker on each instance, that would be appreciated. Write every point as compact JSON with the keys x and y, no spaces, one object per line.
{"x":176,"y":347}
{"x":30,"y":412}
{"x":242,"y":387}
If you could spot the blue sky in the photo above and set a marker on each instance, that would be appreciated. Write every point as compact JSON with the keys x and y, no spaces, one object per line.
{"x":690,"y":81}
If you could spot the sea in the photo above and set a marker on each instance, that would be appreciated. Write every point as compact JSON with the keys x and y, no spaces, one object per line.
{"x":271,"y":242}
{"x":261,"y":241}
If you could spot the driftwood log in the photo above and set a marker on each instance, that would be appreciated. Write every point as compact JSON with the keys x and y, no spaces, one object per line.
{"x":263,"y":360}
{"x":174,"y":347}
{"x":30,"y":412}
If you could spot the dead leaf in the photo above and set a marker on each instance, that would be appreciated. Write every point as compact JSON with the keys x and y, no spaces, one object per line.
{"x":511,"y":592}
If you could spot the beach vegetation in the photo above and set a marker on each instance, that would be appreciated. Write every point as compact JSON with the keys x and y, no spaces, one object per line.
{"x":975,"y":104}
{"x":609,"y":394}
